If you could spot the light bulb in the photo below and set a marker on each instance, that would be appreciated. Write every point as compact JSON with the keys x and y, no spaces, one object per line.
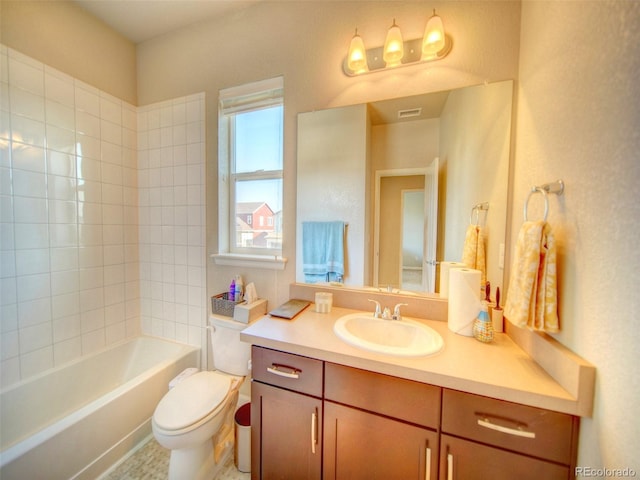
{"x":393,"y":46}
{"x":434,"y":40}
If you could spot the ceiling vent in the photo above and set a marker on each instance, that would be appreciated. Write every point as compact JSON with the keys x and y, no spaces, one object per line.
{"x":411,"y":112}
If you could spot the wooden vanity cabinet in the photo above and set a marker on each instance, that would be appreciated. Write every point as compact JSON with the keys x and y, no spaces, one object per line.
{"x":312,"y":419}
{"x":484,"y":438}
{"x":379,"y":427}
{"x":286,"y":416}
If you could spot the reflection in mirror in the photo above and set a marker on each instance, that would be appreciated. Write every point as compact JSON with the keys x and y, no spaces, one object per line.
{"x":343,"y":152}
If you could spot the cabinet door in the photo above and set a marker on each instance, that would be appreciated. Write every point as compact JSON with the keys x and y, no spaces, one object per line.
{"x":286,"y":438}
{"x":465,"y":460}
{"x":361,"y":445}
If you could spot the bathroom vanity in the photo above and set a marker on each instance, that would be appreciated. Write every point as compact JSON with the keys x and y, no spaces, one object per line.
{"x":325,"y":409}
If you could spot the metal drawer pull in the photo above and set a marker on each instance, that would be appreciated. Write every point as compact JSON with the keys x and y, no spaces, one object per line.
{"x":449,"y":466}
{"x":486,"y":423}
{"x":314,"y":431}
{"x":275,"y":368}
{"x":427,"y":468}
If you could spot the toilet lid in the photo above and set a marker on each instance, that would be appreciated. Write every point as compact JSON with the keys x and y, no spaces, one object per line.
{"x":191,"y":400}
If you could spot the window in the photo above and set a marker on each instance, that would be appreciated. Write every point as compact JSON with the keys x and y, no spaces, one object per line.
{"x":250,"y":157}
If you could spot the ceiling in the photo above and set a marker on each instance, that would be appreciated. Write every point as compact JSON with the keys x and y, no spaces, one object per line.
{"x":141,"y":20}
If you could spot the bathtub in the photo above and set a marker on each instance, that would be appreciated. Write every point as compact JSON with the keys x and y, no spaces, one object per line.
{"x":76,"y":420}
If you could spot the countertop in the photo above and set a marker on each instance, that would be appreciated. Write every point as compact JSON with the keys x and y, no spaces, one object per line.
{"x":500,"y":369}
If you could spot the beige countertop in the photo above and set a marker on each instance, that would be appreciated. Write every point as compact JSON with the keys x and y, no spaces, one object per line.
{"x":499,"y":370}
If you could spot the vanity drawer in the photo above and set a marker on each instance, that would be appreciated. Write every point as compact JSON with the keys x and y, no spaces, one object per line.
{"x":293,"y":372}
{"x":406,"y":400}
{"x":529,"y":430}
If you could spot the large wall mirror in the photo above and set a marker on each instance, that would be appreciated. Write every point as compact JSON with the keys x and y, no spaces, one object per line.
{"x":404,"y":176}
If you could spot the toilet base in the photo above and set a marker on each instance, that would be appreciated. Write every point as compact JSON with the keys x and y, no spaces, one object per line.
{"x":197,"y":463}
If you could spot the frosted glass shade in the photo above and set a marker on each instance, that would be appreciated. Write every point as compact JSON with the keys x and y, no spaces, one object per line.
{"x":357,"y":57}
{"x":393,"y":46}
{"x":433,"y":40}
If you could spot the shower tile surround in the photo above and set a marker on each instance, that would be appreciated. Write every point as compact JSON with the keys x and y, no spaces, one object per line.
{"x":101,"y":218}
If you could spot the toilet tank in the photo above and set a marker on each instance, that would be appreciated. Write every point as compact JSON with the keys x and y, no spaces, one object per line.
{"x":230,"y":355}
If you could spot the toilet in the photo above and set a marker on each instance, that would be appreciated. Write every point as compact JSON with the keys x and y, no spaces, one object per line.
{"x":195,"y":418}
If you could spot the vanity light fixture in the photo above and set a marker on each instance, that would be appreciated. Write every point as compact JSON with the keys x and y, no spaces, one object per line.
{"x":396,"y":52}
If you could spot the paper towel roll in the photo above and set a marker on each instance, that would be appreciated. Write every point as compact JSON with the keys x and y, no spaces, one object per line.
{"x":445,"y":267}
{"x":464,"y":299}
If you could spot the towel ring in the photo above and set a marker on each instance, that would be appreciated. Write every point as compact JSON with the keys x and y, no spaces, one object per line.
{"x":556,"y":188}
{"x":546,"y":202}
{"x":477,"y":208}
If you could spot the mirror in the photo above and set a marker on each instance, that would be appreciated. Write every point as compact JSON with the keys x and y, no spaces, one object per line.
{"x":344,"y":152}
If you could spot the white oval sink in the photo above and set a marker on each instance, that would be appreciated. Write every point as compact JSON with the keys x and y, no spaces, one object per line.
{"x":407,"y":338}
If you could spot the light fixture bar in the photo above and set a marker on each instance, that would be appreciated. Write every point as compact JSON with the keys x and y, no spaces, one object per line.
{"x":412,"y":56}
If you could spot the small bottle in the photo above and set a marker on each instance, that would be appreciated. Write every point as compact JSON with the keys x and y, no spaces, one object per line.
{"x":482,"y":326}
{"x":239,"y":290}
{"x":232,"y":290}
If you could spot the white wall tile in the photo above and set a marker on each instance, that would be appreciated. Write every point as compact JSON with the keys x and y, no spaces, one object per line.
{"x":87,"y":147}
{"x":31,"y":235}
{"x":58,"y":87}
{"x":26,"y":104}
{"x":29,"y":184}
{"x":26,"y":74}
{"x":29,"y":262}
{"x":60,"y":115}
{"x":36,"y":337}
{"x":34,"y":312}
{"x":87,"y":99}
{"x":36,"y":361}
{"x":28,"y":157}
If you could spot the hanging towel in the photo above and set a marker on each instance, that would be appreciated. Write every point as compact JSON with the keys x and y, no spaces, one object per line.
{"x":323,"y":251}
{"x":473,"y":251}
{"x":532,"y":299}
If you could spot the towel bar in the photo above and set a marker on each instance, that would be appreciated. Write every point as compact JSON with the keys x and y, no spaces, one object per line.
{"x":556,"y":188}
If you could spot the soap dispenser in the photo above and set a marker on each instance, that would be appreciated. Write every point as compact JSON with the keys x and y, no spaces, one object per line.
{"x":482,"y":326}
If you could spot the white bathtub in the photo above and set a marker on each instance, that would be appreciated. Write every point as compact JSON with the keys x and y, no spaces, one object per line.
{"x":76,"y":420}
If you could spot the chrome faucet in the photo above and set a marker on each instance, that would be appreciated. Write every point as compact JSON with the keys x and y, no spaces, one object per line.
{"x":377,"y":313}
{"x":385,"y":313}
{"x":396,"y":311}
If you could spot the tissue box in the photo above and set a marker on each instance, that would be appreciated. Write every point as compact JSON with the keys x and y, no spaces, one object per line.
{"x":248,"y":312}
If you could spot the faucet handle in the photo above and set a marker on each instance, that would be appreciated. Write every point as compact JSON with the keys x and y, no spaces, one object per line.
{"x":396,"y":311}
{"x":378,"y":311}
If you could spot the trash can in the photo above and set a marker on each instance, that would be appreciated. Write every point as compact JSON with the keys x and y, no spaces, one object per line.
{"x":242,"y":453}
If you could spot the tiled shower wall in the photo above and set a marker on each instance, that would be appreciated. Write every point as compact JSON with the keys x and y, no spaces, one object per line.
{"x":172,"y":218}
{"x":73,"y":275}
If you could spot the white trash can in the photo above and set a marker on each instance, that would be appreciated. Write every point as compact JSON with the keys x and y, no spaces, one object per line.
{"x":242,"y":451}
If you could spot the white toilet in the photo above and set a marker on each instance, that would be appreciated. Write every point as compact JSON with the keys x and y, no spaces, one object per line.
{"x":195,"y":418}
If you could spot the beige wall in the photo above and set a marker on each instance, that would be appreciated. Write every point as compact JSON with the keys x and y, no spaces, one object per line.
{"x":578,"y":120}
{"x":62,"y":35}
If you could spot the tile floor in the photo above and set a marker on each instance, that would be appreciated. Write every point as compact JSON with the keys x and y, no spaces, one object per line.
{"x":151,"y":462}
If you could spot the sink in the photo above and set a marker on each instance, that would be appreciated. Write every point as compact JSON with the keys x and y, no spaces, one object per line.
{"x":405,"y":338}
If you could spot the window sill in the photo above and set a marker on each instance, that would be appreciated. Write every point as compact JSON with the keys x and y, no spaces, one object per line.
{"x":267,"y":262}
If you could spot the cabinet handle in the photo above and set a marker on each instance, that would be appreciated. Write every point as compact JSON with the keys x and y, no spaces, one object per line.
{"x":427,"y":470}
{"x":275,"y":368}
{"x":486,"y":423}
{"x":314,"y":430}
{"x":449,"y":466}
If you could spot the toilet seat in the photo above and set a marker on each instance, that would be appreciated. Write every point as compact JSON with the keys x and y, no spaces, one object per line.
{"x":194,"y":400}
